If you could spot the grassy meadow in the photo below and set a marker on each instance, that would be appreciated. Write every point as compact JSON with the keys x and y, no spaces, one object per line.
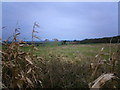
{"x":72,"y":66}
{"x":52,"y":65}
{"x":73,"y":52}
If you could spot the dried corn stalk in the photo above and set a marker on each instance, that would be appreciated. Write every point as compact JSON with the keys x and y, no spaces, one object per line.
{"x":100,"y":81}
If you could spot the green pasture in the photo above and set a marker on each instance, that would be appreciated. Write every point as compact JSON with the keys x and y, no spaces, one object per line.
{"x":76,"y":51}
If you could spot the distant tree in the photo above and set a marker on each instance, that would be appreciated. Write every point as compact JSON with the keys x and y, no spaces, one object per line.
{"x":64,"y":42}
{"x":55,"y":39}
{"x":46,"y":40}
{"x":74,"y":40}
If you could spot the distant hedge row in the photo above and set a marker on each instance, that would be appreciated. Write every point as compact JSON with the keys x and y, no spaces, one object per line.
{"x":115,"y":39}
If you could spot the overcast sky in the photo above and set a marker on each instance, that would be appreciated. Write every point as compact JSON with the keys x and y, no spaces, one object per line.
{"x":61,"y":20}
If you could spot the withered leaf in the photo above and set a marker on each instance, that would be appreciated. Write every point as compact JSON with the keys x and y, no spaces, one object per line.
{"x":100,"y":81}
{"x":29,"y":71}
{"x":27,"y":58}
{"x":29,"y":81}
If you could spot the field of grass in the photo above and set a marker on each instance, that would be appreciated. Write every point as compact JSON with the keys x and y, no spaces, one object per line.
{"x":66,"y":66}
{"x":73,"y":52}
